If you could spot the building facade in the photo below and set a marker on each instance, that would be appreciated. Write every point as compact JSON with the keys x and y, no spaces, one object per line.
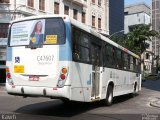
{"x":140,"y":14}
{"x":93,"y":13}
{"x":156,"y":25}
{"x":90,"y":12}
{"x":116,"y":17}
{"x":136,"y":14}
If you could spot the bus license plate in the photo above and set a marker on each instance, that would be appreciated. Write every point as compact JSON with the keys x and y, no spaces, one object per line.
{"x":18,"y":69}
{"x":33,"y":78}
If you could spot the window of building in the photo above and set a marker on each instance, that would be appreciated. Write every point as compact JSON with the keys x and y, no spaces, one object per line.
{"x":42,"y":5}
{"x":75,"y":14}
{"x":99,"y":2}
{"x":147,"y":55}
{"x":4,"y":1}
{"x":93,"y":1}
{"x":4,"y":30}
{"x":66,"y":10}
{"x":56,"y":8}
{"x":93,"y":21}
{"x":30,"y":3}
{"x":83,"y":17}
{"x":99,"y":23}
{"x":126,"y":13}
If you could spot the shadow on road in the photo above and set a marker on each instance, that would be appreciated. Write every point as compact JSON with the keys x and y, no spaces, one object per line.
{"x":59,"y":109}
{"x":151,"y":84}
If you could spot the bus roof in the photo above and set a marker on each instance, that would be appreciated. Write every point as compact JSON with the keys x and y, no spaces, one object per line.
{"x":83,"y":27}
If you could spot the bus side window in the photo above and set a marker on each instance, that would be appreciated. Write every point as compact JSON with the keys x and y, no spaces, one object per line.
{"x":76,"y":39}
{"x":114,"y":57}
{"x":126,"y":61}
{"x":131,"y":63}
{"x":119,"y":59}
{"x":108,"y":53}
{"x":81,"y":50}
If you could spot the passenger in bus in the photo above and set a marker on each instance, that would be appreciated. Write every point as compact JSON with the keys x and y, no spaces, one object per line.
{"x":36,"y":37}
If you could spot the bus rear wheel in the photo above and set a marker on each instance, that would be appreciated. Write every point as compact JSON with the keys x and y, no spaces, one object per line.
{"x":109,"y":96}
{"x":134,"y":91}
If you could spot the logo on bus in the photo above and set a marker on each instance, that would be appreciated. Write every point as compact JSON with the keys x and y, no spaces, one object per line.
{"x":17,"y":59}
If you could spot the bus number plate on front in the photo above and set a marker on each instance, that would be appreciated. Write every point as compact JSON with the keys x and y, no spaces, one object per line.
{"x":18,"y":69}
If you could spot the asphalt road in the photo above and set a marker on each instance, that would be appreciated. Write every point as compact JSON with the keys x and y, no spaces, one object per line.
{"x":123,"y":108}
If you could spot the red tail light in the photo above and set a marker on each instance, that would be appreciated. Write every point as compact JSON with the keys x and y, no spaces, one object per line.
{"x":62,"y":76}
{"x":8,"y":75}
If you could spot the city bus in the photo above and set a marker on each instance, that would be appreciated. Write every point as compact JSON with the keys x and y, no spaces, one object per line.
{"x":58,"y":57}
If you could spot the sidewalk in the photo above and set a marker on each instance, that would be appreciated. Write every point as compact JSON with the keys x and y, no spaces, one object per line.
{"x":155,"y":102}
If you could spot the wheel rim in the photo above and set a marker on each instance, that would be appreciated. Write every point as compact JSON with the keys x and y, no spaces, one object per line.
{"x":110,"y":98}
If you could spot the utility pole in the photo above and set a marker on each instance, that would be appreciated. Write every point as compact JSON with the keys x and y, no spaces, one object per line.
{"x":15,"y":2}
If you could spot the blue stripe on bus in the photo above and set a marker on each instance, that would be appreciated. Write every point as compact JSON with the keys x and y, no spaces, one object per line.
{"x":9,"y":54}
{"x":65,"y":50}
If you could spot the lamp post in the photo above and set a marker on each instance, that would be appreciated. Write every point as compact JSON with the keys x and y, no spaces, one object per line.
{"x":13,"y":16}
{"x":115,"y":33}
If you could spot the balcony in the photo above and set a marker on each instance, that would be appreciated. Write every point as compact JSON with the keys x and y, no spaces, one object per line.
{"x":77,"y":2}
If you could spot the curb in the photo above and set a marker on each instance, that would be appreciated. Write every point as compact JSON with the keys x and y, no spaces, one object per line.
{"x":155,"y":103}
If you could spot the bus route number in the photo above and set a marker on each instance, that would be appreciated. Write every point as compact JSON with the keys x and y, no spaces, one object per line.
{"x":45,"y":58}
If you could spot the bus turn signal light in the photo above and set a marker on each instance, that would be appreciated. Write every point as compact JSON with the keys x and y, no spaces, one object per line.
{"x":64,"y":70}
{"x":7,"y":70}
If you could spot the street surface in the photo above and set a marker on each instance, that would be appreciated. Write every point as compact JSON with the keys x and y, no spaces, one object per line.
{"x":123,"y":108}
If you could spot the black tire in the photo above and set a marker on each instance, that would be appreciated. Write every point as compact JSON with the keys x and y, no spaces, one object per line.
{"x":66,"y":101}
{"x":134,"y":91}
{"x":109,"y":96}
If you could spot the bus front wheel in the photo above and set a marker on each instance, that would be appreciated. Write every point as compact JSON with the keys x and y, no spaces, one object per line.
{"x":109,"y":96}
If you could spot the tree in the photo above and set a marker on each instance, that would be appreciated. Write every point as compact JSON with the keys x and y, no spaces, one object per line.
{"x":136,"y":39}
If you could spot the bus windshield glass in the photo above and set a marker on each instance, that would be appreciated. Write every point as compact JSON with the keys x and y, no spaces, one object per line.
{"x":50,"y":31}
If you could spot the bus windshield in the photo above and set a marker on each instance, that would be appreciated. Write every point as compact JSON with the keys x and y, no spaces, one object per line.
{"x":49,"y":31}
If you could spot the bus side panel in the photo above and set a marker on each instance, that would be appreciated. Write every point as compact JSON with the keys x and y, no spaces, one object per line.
{"x":106,"y":78}
{"x":81,"y":82}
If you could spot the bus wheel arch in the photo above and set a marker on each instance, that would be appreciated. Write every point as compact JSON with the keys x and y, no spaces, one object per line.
{"x":135,"y":87}
{"x":109,"y":94}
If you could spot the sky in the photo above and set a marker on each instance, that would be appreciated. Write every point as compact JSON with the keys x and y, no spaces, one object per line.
{"x":128,"y":2}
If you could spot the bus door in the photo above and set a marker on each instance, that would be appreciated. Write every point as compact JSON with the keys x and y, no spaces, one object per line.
{"x":96,"y":55}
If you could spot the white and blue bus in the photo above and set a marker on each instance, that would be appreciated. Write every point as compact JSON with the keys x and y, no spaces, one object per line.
{"x":58,"y":57}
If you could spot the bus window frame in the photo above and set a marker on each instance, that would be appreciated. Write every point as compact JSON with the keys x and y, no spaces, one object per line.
{"x":96,"y":40}
{"x":74,"y":43}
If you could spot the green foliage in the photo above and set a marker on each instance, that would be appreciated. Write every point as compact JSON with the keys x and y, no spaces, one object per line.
{"x":136,"y":39}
